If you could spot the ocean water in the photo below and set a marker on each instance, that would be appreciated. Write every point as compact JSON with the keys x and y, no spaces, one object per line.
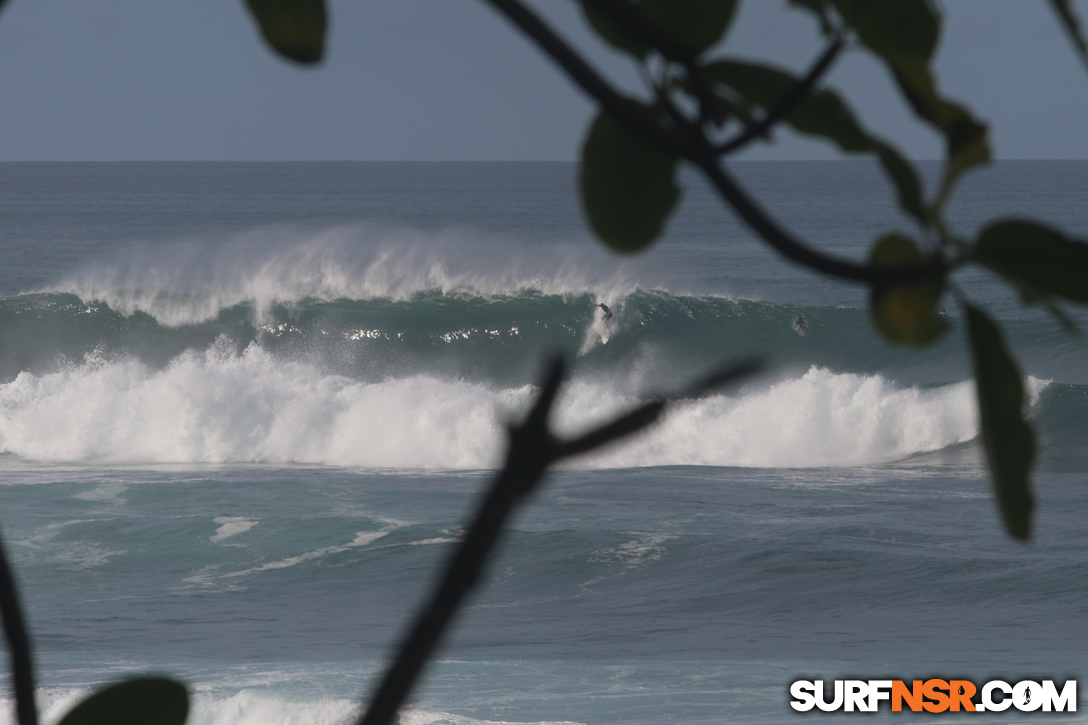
{"x":246,"y":410}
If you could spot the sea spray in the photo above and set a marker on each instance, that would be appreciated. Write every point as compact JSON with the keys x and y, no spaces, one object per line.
{"x":189,"y":282}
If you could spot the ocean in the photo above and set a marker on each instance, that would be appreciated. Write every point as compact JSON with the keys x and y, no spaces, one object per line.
{"x":246,"y":410}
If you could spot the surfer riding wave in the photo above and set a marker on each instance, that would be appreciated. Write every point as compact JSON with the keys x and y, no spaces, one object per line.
{"x":607,"y":311}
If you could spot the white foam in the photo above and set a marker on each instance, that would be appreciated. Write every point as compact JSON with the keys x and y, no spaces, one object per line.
{"x":60,"y":552}
{"x":362,"y":538}
{"x":105,"y":493}
{"x":432,"y":717}
{"x":226,"y":406}
{"x":597,"y":333}
{"x":231,"y":526}
{"x":192,"y":281}
{"x":636,"y":552}
{"x":820,"y":419}
{"x":255,"y":706}
{"x":246,"y":707}
{"x":53,"y":704}
{"x":220,"y":406}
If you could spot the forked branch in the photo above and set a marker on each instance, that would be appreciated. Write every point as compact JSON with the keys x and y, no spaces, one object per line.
{"x":532,"y":449}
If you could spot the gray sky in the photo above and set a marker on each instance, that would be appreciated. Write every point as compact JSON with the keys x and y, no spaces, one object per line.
{"x":450,"y":80}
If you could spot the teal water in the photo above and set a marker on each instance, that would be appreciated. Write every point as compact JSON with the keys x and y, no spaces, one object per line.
{"x":245,"y":410}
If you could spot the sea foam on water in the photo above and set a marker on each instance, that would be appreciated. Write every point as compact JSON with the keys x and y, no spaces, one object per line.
{"x":223,"y":406}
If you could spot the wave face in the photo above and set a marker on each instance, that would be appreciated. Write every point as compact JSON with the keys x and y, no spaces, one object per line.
{"x":320,"y":356}
{"x":654,"y":338}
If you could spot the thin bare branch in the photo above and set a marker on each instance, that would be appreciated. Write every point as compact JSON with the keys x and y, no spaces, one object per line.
{"x":588,"y":79}
{"x":1071,"y":23}
{"x":26,"y":711}
{"x":532,"y":450}
{"x":623,"y":15}
{"x":793,"y":249}
{"x":623,"y":426}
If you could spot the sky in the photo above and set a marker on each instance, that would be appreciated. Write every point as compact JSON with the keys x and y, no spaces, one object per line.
{"x":450,"y":80}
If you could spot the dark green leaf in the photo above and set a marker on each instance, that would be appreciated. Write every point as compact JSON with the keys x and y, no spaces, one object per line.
{"x":722,"y":107}
{"x":1042,"y":257}
{"x":139,"y":701}
{"x":966,"y":146}
{"x":693,"y":25}
{"x":1064,"y":9}
{"x":294,"y":28}
{"x":894,"y":28}
{"x":904,"y":33}
{"x":687,"y":26}
{"x":905,"y":313}
{"x":916,"y":83}
{"x":1006,"y":436}
{"x":628,"y":185}
{"x":614,"y":33}
{"x":822,"y":114}
{"x":966,"y":143}
{"x":902,"y":174}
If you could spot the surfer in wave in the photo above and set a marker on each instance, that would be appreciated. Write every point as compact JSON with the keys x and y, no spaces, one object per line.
{"x":607,"y":312}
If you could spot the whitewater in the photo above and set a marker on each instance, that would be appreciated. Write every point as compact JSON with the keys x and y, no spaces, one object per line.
{"x":244,"y":420}
{"x":226,"y":407}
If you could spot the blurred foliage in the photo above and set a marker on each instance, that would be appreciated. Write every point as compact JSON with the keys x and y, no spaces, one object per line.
{"x":294,"y":28}
{"x":700,"y":105}
{"x":905,"y":313}
{"x":137,"y":701}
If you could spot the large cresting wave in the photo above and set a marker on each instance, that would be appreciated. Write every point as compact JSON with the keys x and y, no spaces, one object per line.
{"x":223,"y":405}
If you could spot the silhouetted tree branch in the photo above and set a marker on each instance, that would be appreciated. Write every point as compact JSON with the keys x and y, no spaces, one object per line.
{"x":533,"y":448}
{"x":19,"y":645}
{"x":584,"y":75}
{"x":790,"y":247}
{"x":693,"y":146}
{"x":802,"y":89}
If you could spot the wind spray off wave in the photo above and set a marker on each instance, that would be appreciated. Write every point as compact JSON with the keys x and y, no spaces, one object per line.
{"x":190,"y":282}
